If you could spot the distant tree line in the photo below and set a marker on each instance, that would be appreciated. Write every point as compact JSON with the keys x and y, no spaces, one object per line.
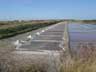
{"x":10,"y":29}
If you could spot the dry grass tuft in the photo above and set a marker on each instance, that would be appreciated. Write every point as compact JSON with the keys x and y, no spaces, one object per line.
{"x":85,"y":62}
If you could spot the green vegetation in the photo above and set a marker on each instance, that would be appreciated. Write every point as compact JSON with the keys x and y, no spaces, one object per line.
{"x":80,"y":21}
{"x":12,"y":28}
{"x":83,"y":21}
{"x":89,"y":21}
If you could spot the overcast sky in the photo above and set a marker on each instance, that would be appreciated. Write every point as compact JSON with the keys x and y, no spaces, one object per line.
{"x":47,"y":9}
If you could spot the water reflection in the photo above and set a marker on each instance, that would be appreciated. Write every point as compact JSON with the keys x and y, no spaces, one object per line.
{"x":82,"y":38}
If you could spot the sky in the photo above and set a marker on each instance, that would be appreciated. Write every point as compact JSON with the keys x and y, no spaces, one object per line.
{"x":47,"y":9}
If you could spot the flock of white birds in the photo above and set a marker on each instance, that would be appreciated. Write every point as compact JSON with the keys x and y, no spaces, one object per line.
{"x":19,"y":43}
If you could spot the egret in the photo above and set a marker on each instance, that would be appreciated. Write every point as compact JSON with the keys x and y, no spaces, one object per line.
{"x":22,"y":41}
{"x":63,"y":38}
{"x":17,"y":44}
{"x":43,"y":31}
{"x":61,"y":46}
{"x":29,"y":37}
{"x":63,"y":49}
{"x":38,"y":33}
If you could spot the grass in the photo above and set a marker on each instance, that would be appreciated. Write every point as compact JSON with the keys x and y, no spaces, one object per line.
{"x":9,"y":29}
{"x":84,"y":62}
{"x":79,"y":66}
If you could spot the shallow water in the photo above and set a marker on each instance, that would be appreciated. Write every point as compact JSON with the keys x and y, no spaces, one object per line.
{"x":82,"y":35}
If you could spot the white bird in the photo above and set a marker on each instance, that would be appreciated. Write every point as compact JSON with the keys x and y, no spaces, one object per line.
{"x":43,"y":31}
{"x":22,"y":41}
{"x":17,"y":44}
{"x":63,"y":38}
{"x":29,"y":37}
{"x":61,"y":46}
{"x":38,"y":33}
{"x":63,"y":49}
